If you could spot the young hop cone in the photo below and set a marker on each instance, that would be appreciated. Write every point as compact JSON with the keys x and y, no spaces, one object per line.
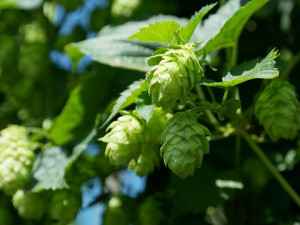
{"x":278,"y":110}
{"x":30,"y":206}
{"x":134,"y":142}
{"x":64,"y":206}
{"x":175,"y":73}
{"x":124,"y":141}
{"x":184,"y":143}
{"x":16,"y":158}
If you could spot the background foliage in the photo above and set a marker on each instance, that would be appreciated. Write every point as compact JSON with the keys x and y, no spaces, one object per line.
{"x":69,"y":97}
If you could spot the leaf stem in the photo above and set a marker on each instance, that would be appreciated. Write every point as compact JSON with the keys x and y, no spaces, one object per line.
{"x":225,"y":95}
{"x":211,"y":94}
{"x":282,"y":181}
{"x":210,"y":115}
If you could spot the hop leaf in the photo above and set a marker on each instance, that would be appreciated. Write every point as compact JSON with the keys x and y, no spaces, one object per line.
{"x":124,"y":8}
{"x":31,"y":206}
{"x":16,"y":157}
{"x":278,"y":109}
{"x":64,"y":206}
{"x":174,"y":76}
{"x":184,"y":144}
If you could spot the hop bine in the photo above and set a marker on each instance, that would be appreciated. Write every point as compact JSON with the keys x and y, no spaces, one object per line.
{"x":278,"y":110}
{"x":175,"y":73}
{"x":184,"y":143}
{"x":16,"y":157}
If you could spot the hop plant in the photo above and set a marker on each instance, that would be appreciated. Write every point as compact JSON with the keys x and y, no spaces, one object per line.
{"x":278,"y":109}
{"x":16,"y":157}
{"x":31,"y":206}
{"x":175,"y":75}
{"x":184,"y":143}
{"x":64,"y":206}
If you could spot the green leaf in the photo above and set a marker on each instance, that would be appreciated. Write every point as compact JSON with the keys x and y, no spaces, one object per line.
{"x":111,"y":48}
{"x":48,"y":170}
{"x":144,"y":106}
{"x":78,"y":116}
{"x":116,"y":53}
{"x":73,"y":52}
{"x":223,"y":29}
{"x":255,"y":69}
{"x":127,"y":98}
{"x":22,"y":4}
{"x":187,"y":31}
{"x":158,"y":32}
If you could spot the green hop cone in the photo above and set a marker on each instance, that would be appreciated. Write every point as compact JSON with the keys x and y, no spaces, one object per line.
{"x":184,"y":143}
{"x":278,"y":109}
{"x":124,"y":8}
{"x":175,"y":75}
{"x":31,"y":206}
{"x":64,"y":206}
{"x":16,"y":157}
{"x":124,"y":141}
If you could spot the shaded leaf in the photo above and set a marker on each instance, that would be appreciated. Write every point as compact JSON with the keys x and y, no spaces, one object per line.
{"x":127,"y":98}
{"x":255,"y":69}
{"x":48,"y":170}
{"x":187,"y":31}
{"x":158,"y":32}
{"x":144,"y":106}
{"x":78,"y":116}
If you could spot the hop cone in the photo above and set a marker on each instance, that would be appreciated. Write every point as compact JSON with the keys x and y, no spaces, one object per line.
{"x":124,"y":141}
{"x":124,"y":8}
{"x":31,"y":206}
{"x":16,"y":157}
{"x":174,"y":76}
{"x":64,"y":206}
{"x":184,"y":144}
{"x":278,"y":109}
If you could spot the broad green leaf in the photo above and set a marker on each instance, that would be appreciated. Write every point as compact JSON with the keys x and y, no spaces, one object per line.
{"x":127,"y":98}
{"x":187,"y":31}
{"x":78,"y":116}
{"x":49,"y":170}
{"x":223,"y":29}
{"x":255,"y":69}
{"x":117,"y":53}
{"x":158,"y":32}
{"x":111,"y":48}
{"x":144,"y":106}
{"x":22,"y":4}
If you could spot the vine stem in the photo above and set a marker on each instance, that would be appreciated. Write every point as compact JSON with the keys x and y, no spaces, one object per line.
{"x":282,"y":181}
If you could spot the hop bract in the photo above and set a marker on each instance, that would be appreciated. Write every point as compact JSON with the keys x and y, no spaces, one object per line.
{"x":16,"y":157}
{"x":278,"y":109}
{"x":31,"y":206}
{"x":184,"y":143}
{"x":176,"y":73}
